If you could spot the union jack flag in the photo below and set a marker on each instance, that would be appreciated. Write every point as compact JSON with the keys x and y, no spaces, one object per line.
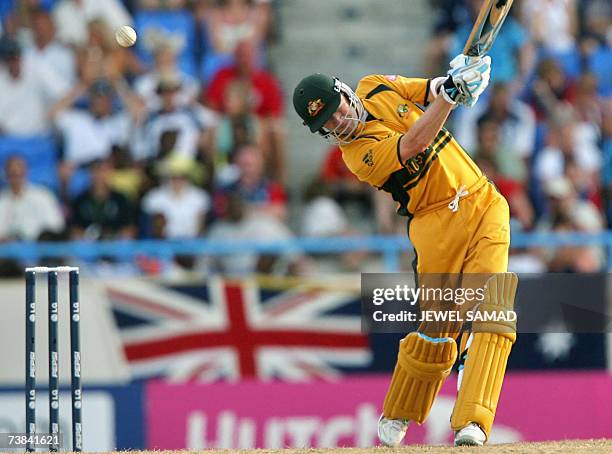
{"x":229,"y":330}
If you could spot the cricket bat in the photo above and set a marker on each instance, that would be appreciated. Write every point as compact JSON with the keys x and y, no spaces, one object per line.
{"x":486,"y":28}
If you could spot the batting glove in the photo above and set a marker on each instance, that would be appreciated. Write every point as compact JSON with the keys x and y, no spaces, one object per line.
{"x":453,"y":92}
{"x":474,"y":77}
{"x":477,"y":79}
{"x":467,"y":79}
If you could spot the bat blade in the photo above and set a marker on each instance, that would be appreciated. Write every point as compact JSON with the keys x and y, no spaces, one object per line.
{"x":486,"y":28}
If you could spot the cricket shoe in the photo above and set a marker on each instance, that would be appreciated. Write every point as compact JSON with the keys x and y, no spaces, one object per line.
{"x":391,"y":432}
{"x":470,"y":435}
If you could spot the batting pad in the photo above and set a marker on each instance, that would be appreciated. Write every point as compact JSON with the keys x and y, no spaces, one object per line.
{"x":423,"y":363}
{"x":487,"y":356}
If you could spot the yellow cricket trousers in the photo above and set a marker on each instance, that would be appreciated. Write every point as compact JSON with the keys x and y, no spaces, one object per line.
{"x":472,"y":238}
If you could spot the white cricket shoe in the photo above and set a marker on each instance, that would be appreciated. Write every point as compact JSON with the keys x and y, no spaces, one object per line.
{"x":470,"y":435}
{"x":391,"y":432}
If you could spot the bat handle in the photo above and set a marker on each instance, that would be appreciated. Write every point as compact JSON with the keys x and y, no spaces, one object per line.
{"x":472,"y":59}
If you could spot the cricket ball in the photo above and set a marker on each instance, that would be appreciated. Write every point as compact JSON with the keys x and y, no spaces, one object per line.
{"x":125,"y":36}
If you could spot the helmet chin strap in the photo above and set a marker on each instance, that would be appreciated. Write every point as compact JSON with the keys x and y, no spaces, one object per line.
{"x":344,"y":133}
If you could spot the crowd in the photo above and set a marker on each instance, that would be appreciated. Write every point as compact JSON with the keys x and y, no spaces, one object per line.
{"x":179,"y":137}
{"x":183,"y":135}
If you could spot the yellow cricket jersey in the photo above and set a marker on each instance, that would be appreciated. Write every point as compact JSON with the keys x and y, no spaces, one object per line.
{"x":430,"y":178}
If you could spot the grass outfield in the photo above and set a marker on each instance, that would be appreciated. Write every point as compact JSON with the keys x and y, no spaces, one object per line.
{"x":551,"y":447}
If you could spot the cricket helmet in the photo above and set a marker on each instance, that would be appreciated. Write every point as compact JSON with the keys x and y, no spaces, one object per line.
{"x":317,"y":97}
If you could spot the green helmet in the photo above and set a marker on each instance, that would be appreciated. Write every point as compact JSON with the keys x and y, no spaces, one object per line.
{"x":316,"y":98}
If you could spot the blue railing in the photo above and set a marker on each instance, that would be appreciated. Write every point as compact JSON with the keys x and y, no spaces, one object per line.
{"x":389,"y":246}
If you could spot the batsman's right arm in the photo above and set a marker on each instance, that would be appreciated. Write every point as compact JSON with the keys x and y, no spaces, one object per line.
{"x":425,"y":129}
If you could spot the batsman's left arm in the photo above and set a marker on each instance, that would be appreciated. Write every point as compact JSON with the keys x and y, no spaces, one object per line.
{"x":466,"y":80}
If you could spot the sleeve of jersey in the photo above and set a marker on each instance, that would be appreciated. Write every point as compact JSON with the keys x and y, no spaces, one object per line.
{"x":413,"y":89}
{"x":373,"y":161}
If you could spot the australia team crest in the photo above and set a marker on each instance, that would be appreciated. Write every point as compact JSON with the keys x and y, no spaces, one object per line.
{"x":315,"y":106}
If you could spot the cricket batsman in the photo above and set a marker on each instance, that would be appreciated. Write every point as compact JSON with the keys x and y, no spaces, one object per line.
{"x":457,"y":223}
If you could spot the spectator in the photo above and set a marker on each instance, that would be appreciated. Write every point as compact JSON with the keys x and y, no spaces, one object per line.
{"x":101,"y":213}
{"x":91,"y":134}
{"x":516,"y":122}
{"x":16,"y":16}
{"x":236,"y":128}
{"x":27,"y":211}
{"x":202,"y":9}
{"x":594,"y":19}
{"x":567,"y":212}
{"x":526,"y":261}
{"x":550,"y":87}
{"x":553,"y":24}
{"x":72,"y":18}
{"x":239,"y":223}
{"x":504,"y":159}
{"x":47,"y":49}
{"x":266,"y":98}
{"x":156,"y":265}
{"x":565,"y":202}
{"x":127,"y":177}
{"x":266,"y":10}
{"x":323,"y":217}
{"x":27,"y":87}
{"x":101,"y":56}
{"x":344,"y":187}
{"x":165,"y":55}
{"x":521,"y":210}
{"x":184,"y":207}
{"x":573,"y":259}
{"x":187,"y":130}
{"x":233,"y":21}
{"x":569,"y":143}
{"x":177,"y":27}
{"x":266,"y":101}
{"x":586,"y":102}
{"x":260,"y":194}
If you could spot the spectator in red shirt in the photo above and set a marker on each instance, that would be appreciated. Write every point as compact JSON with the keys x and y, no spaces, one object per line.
{"x":334,"y":169}
{"x":266,"y":101}
{"x":345,"y":188}
{"x":521,"y":209}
